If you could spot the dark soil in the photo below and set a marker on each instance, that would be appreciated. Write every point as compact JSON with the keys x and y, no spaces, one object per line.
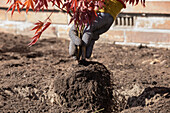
{"x":85,"y":89}
{"x":34,"y":79}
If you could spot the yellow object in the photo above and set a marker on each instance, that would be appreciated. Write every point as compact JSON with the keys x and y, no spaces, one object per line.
{"x":113,"y":7}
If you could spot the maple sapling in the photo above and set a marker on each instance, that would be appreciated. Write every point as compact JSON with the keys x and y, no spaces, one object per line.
{"x":82,"y":12}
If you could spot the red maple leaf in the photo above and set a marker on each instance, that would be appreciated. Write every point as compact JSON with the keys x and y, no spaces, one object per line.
{"x":9,"y":1}
{"x":28,"y":3}
{"x":83,"y":11}
{"x":15,"y":4}
{"x":40,"y":28}
{"x":136,"y":2}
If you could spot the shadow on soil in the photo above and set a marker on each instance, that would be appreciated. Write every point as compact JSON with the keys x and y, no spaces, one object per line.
{"x":148,"y":94}
{"x":87,"y":63}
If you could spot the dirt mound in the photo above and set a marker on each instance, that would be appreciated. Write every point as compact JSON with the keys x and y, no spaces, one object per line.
{"x":148,"y":95}
{"x":85,"y":88}
{"x":148,"y":101}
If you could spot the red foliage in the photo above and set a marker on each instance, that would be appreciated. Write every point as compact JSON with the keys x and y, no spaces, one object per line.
{"x":136,"y":2}
{"x":40,"y":28}
{"x":29,"y":3}
{"x":82,"y":11}
{"x":16,"y":3}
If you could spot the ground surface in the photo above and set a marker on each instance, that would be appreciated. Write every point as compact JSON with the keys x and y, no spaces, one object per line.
{"x":140,"y":75}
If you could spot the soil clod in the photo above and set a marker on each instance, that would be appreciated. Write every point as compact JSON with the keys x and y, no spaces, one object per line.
{"x":85,"y":88}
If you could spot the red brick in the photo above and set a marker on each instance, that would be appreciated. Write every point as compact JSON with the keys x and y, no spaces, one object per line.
{"x":147,"y":37}
{"x":17,"y":16}
{"x":112,"y":36}
{"x":151,"y":7}
{"x":3,"y":15}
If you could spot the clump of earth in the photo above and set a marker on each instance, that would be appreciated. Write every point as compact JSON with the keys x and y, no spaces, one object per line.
{"x":85,"y":88}
{"x":44,"y":78}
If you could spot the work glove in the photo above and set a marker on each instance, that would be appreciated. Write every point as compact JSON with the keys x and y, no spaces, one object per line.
{"x":91,"y":33}
{"x":76,"y":41}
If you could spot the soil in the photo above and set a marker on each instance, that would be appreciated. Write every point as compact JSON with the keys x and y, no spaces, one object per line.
{"x":44,"y":78}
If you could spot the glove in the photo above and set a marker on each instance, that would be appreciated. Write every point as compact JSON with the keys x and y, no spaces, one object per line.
{"x":90,"y":35}
{"x":76,"y":41}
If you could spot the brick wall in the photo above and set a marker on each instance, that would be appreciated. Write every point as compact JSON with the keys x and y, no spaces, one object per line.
{"x":134,"y":26}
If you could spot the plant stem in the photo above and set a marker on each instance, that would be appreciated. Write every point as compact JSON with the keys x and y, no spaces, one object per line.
{"x":82,"y":48}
